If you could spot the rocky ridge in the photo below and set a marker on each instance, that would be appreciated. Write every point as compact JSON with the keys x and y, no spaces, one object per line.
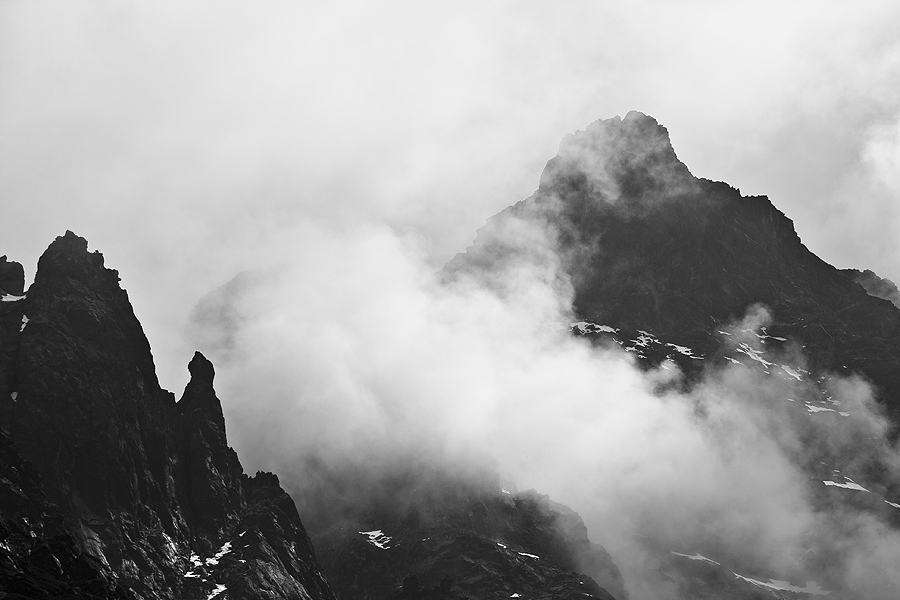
{"x":111,"y":488}
{"x":648,"y":246}
{"x":666,"y":266}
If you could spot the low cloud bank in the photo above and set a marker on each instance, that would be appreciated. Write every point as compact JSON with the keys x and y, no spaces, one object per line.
{"x":351,"y":369}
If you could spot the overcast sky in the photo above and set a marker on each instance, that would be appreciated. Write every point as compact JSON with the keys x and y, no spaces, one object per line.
{"x":182,"y":139}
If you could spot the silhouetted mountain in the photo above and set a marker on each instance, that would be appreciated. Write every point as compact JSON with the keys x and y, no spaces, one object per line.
{"x":111,"y":488}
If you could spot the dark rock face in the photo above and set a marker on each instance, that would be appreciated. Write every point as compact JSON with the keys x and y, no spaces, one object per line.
{"x":148,"y":494}
{"x":39,"y":558}
{"x":470,"y":542}
{"x":12,"y":278}
{"x":648,"y":246}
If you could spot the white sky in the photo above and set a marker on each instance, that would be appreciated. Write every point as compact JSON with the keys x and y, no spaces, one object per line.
{"x":182,"y":138}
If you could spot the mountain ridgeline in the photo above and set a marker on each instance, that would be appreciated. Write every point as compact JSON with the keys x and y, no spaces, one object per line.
{"x":110,"y":488}
{"x":648,"y":246}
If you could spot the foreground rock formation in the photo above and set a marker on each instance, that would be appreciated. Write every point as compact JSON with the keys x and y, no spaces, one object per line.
{"x":110,"y":488}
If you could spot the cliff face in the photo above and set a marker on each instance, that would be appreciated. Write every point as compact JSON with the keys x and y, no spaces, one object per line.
{"x":143,"y":490}
{"x":648,"y":246}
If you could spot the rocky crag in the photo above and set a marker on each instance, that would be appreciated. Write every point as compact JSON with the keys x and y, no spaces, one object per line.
{"x":665,"y":265}
{"x":647,"y":246}
{"x":109,"y":488}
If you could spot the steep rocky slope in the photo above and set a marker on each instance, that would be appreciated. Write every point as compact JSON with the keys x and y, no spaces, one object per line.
{"x":111,"y":488}
{"x":650,"y":247}
{"x":665,"y":265}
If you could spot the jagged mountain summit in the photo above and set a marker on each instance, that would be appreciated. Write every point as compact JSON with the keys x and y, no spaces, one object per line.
{"x":671,"y":267}
{"x":649,"y":246}
{"x":111,"y":488}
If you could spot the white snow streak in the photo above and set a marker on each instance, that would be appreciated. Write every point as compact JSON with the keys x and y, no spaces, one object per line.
{"x":849,"y":485}
{"x":698,"y":557}
{"x":377,"y":538}
{"x":812,"y":588}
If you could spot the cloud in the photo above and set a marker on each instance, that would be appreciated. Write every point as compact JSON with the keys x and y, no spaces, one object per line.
{"x":341,"y":153}
{"x":350,"y":367}
{"x":177,"y":138}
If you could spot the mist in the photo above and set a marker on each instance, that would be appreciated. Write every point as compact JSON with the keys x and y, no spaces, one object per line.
{"x":178,"y":138}
{"x":354,"y":360}
{"x":337,"y":156}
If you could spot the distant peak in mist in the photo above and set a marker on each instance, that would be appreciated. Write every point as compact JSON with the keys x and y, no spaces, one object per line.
{"x":612,"y":159}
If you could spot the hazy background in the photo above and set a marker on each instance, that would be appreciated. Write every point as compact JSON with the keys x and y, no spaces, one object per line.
{"x":346,"y":151}
{"x":179,"y":138}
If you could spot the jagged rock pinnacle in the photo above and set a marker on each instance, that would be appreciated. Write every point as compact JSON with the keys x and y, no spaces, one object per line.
{"x":12,"y":277}
{"x":68,"y":256}
{"x":201,"y":369}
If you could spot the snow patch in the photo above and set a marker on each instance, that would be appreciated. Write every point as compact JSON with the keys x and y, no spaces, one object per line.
{"x":644,"y":339}
{"x":698,"y":557}
{"x":24,"y":323}
{"x":216,"y":591}
{"x":528,"y":555}
{"x":792,"y":372}
{"x":14,"y":395}
{"x":588,"y":327}
{"x":515,"y":596}
{"x":685,"y":350}
{"x":754,"y":354}
{"x":10,"y":298}
{"x":504,"y":491}
{"x":816,"y":409}
{"x":225,"y":549}
{"x":892,"y":504}
{"x":812,"y":588}
{"x":377,"y":538}
{"x":848,"y":485}
{"x":501,"y":545}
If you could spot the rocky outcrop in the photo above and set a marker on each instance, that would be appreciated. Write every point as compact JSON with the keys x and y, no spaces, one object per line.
{"x":12,"y":278}
{"x":147,"y":491}
{"x":647,"y":246}
{"x":472,"y":542}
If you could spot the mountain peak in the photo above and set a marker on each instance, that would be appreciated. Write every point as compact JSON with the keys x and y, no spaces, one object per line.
{"x":68,"y":256}
{"x":615,"y":159}
{"x":201,"y":369}
{"x":12,"y":277}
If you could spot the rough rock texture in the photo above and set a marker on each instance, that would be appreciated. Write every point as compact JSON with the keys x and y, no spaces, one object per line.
{"x":468,"y":543}
{"x":148,"y":494}
{"x":12,"y":278}
{"x":648,"y":246}
{"x":39,"y":558}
